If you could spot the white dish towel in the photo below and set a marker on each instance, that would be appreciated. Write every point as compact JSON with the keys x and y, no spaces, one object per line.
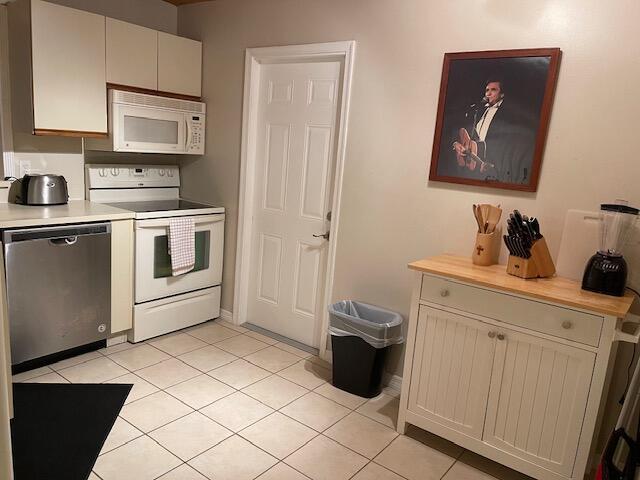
{"x":182,"y":245}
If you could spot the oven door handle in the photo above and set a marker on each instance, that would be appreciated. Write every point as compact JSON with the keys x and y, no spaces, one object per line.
{"x":164,"y":222}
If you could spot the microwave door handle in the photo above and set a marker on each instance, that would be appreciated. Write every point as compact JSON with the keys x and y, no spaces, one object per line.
{"x":187,"y":143}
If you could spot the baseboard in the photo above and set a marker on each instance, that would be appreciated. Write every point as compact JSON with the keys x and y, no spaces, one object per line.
{"x":226,"y":315}
{"x":393,"y":382}
{"x":116,"y":340}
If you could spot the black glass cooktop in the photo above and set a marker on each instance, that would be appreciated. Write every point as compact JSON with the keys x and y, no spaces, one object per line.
{"x":160,"y":205}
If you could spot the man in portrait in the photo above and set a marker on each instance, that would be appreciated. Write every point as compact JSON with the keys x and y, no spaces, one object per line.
{"x":496,"y":138}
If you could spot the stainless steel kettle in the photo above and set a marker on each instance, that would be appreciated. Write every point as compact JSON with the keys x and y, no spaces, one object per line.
{"x":45,"y":189}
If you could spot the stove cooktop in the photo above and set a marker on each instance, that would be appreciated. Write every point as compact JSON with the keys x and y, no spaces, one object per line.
{"x":149,"y":209}
{"x":161,"y":205}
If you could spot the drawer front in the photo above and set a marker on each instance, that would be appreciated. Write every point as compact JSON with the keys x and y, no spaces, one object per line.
{"x":540,"y":317}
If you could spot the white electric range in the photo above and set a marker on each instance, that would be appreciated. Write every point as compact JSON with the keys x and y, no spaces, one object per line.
{"x":163,"y":303}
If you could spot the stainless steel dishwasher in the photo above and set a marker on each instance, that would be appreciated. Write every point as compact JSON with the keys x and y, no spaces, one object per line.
{"x":58,"y":288}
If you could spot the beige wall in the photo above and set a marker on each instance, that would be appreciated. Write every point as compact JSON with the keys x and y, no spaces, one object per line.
{"x":391,"y":213}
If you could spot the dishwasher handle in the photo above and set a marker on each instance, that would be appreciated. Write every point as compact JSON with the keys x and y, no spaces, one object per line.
{"x":64,"y":241}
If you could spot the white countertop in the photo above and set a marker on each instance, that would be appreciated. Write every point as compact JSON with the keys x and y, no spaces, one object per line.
{"x":76,"y":211}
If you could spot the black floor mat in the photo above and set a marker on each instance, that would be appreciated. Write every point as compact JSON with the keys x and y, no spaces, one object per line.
{"x":58,"y":429}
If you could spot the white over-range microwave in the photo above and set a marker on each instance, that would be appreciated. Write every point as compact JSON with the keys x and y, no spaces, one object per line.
{"x":152,"y":124}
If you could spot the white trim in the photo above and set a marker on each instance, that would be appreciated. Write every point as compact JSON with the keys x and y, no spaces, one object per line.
{"x":255,"y":57}
{"x":394,"y":382}
{"x":226,"y":315}
{"x":116,"y":340}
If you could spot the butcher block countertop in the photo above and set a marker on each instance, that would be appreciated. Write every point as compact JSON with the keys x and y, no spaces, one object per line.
{"x":76,"y":211}
{"x":558,"y":290}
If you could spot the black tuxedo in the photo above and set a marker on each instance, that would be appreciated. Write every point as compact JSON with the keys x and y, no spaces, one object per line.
{"x":509,"y":145}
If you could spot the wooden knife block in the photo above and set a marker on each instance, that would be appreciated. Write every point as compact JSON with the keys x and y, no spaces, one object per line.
{"x":540,"y":264}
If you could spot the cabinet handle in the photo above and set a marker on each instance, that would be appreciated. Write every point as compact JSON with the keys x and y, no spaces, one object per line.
{"x":501,"y":336}
{"x":491,"y":334}
{"x":444,"y":292}
{"x":567,"y":325}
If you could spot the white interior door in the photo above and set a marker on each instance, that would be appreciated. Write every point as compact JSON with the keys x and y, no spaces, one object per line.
{"x":296,"y":128}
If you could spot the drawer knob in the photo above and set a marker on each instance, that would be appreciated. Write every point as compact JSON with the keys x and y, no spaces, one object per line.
{"x":501,"y":336}
{"x":491,"y":334}
{"x":444,"y":292}
{"x":567,"y":325}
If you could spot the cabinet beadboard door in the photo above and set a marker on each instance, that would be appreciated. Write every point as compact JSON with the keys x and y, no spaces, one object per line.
{"x":451,"y":370}
{"x":537,"y":400}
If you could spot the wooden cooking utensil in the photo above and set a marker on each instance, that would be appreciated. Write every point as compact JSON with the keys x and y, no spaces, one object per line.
{"x":476,"y":212}
{"x":494,"y":218}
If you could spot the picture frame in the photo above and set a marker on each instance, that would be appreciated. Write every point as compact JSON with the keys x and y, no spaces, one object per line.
{"x":496,"y":140}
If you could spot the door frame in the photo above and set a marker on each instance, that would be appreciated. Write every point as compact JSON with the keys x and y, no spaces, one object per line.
{"x":343,"y":52}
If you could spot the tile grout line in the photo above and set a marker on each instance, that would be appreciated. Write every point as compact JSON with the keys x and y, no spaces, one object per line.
{"x":236,"y":390}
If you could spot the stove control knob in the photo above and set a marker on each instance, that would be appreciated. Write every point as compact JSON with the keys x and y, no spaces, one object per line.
{"x":169,"y":173}
{"x":102,"y":172}
{"x":115,"y":172}
{"x":161,"y":172}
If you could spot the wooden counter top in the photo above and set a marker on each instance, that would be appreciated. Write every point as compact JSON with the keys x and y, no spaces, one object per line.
{"x":555,"y":289}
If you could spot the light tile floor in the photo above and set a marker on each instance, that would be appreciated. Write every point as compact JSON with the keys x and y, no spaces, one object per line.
{"x":217,"y":402}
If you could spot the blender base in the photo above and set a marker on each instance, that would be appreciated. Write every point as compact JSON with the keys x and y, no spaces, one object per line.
{"x":605,"y":274}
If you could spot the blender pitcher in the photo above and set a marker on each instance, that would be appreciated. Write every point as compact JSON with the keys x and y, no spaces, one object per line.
{"x":606,"y":271}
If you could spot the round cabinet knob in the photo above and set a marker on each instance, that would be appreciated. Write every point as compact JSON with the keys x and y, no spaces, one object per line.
{"x":567,"y":325}
{"x":444,"y":292}
{"x":501,"y":336}
{"x":491,"y":334}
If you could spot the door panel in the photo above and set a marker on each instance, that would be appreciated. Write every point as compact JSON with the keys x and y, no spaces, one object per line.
{"x":316,"y":168}
{"x":276,"y":165}
{"x":297,"y":111}
{"x":537,"y":399}
{"x":269,"y":273}
{"x":451,"y":373}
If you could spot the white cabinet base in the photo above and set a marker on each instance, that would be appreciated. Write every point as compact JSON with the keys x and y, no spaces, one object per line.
{"x":505,"y":374}
{"x":167,"y":315}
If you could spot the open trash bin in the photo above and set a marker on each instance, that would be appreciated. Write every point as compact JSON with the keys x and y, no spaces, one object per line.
{"x":361,"y":336}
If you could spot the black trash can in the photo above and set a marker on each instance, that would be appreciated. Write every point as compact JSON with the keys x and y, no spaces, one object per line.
{"x":361,"y":336}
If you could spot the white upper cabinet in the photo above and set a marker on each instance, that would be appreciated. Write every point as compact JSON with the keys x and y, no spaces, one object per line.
{"x":68,"y":68}
{"x":179,"y":65}
{"x":132,"y":55}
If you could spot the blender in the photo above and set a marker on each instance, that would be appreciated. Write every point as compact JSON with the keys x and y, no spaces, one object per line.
{"x":606,"y":271}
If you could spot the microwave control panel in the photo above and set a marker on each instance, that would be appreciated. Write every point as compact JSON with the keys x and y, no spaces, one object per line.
{"x":196,"y":132}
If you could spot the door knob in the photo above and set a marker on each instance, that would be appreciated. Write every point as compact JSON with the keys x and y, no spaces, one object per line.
{"x":322,"y":235}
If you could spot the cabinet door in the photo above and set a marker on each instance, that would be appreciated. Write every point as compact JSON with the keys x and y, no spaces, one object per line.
{"x":451,"y":370}
{"x":68,"y":60}
{"x":132,"y":55}
{"x":121,"y":275}
{"x":179,"y":65}
{"x":537,"y":399}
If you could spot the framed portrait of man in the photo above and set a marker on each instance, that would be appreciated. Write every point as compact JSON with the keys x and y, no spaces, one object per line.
{"x":493,"y":115}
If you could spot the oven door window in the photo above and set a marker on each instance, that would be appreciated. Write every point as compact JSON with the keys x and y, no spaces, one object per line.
{"x":162,"y":259}
{"x":151,"y":130}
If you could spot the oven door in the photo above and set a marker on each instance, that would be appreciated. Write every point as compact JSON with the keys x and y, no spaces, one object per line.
{"x":148,"y":130}
{"x":153,"y":262}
